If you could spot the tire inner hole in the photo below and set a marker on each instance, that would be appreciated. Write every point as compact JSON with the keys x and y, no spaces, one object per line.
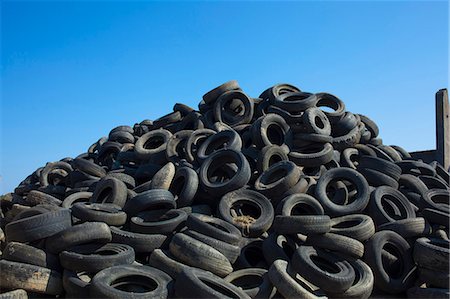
{"x":154,"y":142}
{"x":325,"y":264}
{"x":274,"y":159}
{"x":248,"y":281}
{"x":302,"y":208}
{"x":393,"y":207}
{"x":245,"y":208}
{"x":394,"y":267}
{"x":318,"y":122}
{"x":275,"y":134}
{"x":274,"y":176}
{"x":135,"y":284}
{"x":346,"y":224}
{"x":219,"y":288}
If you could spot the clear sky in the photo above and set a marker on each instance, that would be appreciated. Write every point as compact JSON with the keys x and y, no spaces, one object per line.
{"x":71,"y":71}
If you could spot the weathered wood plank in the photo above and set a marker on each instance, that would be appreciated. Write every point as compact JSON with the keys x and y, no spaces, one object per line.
{"x":442,"y":128}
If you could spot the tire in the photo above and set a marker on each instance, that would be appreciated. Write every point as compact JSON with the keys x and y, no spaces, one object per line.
{"x":392,"y":281}
{"x":88,"y":232}
{"x":16,"y":294}
{"x":211,"y":96}
{"x":151,"y":283}
{"x":30,"y":278}
{"x":254,"y":282}
{"x":315,"y":121}
{"x":376,"y":178}
{"x":23,"y":253}
{"x":164,"y":261}
{"x":76,"y":285}
{"x":248,"y":210}
{"x":155,"y":199}
{"x":96,"y":257}
{"x":217,"y":160}
{"x":407,"y":228}
{"x":321,"y":154}
{"x":195,"y":283}
{"x":359,"y":203}
{"x":110,"y":214}
{"x":110,"y":190}
{"x":362,"y":286}
{"x":381,"y":165}
{"x":38,"y":227}
{"x":434,"y":278}
{"x":306,"y":225}
{"x":251,"y":255}
{"x":184,"y":186}
{"x":289,"y":284}
{"x":342,"y":244}
{"x":270,"y":129}
{"x":370,"y":125}
{"x":198,"y":254}
{"x":163,"y":178}
{"x":278,"y":247}
{"x":313,"y":265}
{"x":128,"y":180}
{"x":141,"y":243}
{"x":416,"y":168}
{"x":35,"y":197}
{"x":214,"y":228}
{"x":158,"y":221}
{"x":278,"y":179}
{"x":152,"y":145}
{"x":356,"y":226}
{"x":432,"y":253}
{"x":70,"y":200}
{"x":426,"y":293}
{"x":277,"y":90}
{"x":230,"y":117}
{"x":436,"y":217}
{"x":231,"y":252}
{"x":88,"y":167}
{"x":437,"y":199}
{"x":270,"y":155}
{"x":388,"y":205}
{"x":295,"y":101}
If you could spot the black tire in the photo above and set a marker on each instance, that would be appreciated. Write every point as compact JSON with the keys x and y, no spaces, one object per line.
{"x":184,"y":186}
{"x":16,"y":294}
{"x":306,"y":225}
{"x":248,"y":210}
{"x":110,"y":190}
{"x":362,"y":286}
{"x":357,"y":226}
{"x":215,"y":162}
{"x":23,"y":253}
{"x":376,"y":178}
{"x":278,"y":179}
{"x":278,"y":247}
{"x":342,"y":244}
{"x":135,"y":282}
{"x":277,"y":90}
{"x":164,"y":261}
{"x":195,"y":283}
{"x":152,"y":145}
{"x":229,"y":116}
{"x":141,"y":243}
{"x":230,"y":251}
{"x":198,"y":254}
{"x":437,"y":216}
{"x":155,"y":199}
{"x":362,"y":188}
{"x":427,"y":293}
{"x":31,"y":278}
{"x":214,"y":228}
{"x":295,"y":101}
{"x":76,"y":285}
{"x":289,"y":284}
{"x":409,"y":227}
{"x":108,"y":213}
{"x":381,"y":165}
{"x":315,"y":121}
{"x":434,"y":278}
{"x":35,"y":197}
{"x":370,"y":125}
{"x":392,"y":280}
{"x":88,"y":167}
{"x":128,"y":180}
{"x":333,"y":102}
{"x":38,"y":227}
{"x":254,"y":282}
{"x":388,"y":205}
{"x":323,"y":269}
{"x":158,"y":221}
{"x":163,"y":178}
{"x":251,"y":256}
{"x":314,"y":155}
{"x":432,"y":253}
{"x":270,"y":155}
{"x":88,"y":232}
{"x":416,"y":168}
{"x":438,"y":199}
{"x":270,"y":129}
{"x":70,"y":200}
{"x":96,"y":257}
{"x":211,"y":96}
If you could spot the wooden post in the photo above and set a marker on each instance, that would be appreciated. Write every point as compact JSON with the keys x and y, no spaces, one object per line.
{"x":442,"y":128}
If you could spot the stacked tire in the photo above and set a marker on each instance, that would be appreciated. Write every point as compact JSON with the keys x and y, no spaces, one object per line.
{"x":287,"y":195}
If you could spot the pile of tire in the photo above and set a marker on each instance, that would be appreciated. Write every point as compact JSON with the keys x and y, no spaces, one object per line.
{"x":287,"y":195}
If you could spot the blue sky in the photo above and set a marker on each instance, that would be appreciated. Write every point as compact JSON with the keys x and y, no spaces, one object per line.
{"x":71,"y":71}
